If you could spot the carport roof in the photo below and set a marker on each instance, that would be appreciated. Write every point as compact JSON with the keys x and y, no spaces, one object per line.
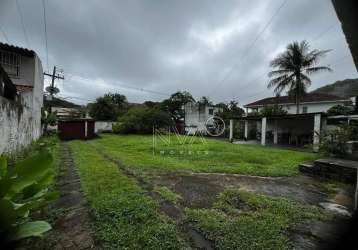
{"x":278,"y":117}
{"x":308,"y":98}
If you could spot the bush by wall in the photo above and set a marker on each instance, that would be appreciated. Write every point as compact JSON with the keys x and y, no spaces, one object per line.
{"x":140,"y":120}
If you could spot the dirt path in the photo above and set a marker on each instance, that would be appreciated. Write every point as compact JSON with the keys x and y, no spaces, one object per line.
{"x":71,"y":230}
{"x":192,"y":237}
{"x":200,"y":190}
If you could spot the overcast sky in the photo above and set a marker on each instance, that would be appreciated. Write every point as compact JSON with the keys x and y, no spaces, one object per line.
{"x":205,"y":47}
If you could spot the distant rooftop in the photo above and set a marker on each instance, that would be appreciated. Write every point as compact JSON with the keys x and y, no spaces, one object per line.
{"x":314,"y":97}
{"x":16,"y":49}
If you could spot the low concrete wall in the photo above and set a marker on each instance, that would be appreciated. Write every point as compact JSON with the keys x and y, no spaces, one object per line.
{"x":19,"y":126}
{"x":103,"y":126}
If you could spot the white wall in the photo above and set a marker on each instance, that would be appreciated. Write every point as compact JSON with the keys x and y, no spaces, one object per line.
{"x":311,"y":107}
{"x":20,"y":122}
{"x":18,"y":128}
{"x":103,"y":126}
{"x":195,"y":120}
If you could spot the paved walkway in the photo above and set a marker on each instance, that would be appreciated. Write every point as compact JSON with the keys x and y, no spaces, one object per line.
{"x":71,"y":229}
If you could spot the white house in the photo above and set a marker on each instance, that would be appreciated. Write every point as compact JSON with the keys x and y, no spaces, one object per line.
{"x":196,"y":117}
{"x":310,"y":103}
{"x":20,"y":113}
{"x":291,"y":128}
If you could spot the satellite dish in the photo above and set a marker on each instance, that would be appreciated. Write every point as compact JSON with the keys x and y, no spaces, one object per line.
{"x":52,"y":90}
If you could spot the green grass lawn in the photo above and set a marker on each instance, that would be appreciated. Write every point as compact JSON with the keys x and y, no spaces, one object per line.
{"x":213,"y":156}
{"x":125,"y":217}
{"x":264,"y":224}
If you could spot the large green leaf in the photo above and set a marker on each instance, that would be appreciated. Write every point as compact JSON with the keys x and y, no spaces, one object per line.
{"x":31,"y":229}
{"x":41,"y":184}
{"x":5,"y":185}
{"x":8,"y":214}
{"x":3,"y":166}
{"x":30,"y":171}
{"x":33,"y":166}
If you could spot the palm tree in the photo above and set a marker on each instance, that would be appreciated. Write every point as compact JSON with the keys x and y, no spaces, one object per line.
{"x":293,"y":68}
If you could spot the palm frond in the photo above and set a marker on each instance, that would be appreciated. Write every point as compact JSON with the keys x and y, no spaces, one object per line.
{"x":313,"y":70}
{"x":279,"y":72}
{"x":281,"y":82}
{"x":306,"y":81}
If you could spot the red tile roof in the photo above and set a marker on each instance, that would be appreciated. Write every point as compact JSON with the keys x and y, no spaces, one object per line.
{"x":314,"y":97}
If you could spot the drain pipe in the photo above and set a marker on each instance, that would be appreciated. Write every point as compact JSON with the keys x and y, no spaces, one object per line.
{"x":356,"y":194}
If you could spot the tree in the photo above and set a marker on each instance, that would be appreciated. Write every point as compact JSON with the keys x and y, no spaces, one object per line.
{"x":204,"y":100}
{"x":175,"y":104}
{"x":108,"y":107}
{"x":293,"y":68}
{"x":230,"y":110}
{"x":339,"y":110}
{"x":140,"y":120}
{"x":48,"y":118}
{"x":271,"y":110}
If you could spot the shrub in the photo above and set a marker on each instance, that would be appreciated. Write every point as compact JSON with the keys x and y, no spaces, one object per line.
{"x":271,"y":110}
{"x":23,"y":189}
{"x":335,"y":141}
{"x":108,"y":107}
{"x":140,"y":120}
{"x":339,"y":110}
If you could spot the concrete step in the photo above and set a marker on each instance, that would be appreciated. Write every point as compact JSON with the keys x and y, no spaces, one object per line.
{"x":331,"y":168}
{"x":306,"y":168}
{"x":338,"y":169}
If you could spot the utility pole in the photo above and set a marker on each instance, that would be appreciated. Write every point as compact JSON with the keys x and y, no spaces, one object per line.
{"x":52,"y":89}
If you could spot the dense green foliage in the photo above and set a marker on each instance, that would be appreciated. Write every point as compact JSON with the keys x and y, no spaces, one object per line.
{"x":205,"y":100}
{"x":108,"y":107}
{"x":125,"y":218}
{"x":334,"y":142}
{"x":142,"y":120}
{"x":339,"y":110}
{"x":230,"y":111}
{"x":293,"y":68}
{"x":48,"y":119}
{"x":24,"y":188}
{"x":201,"y":156}
{"x":243,"y":220}
{"x":175,"y":103}
{"x":271,"y":110}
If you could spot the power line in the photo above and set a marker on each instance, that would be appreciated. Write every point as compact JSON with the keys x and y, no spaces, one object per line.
{"x":253,"y":43}
{"x":4,"y":34}
{"x":45,"y":26}
{"x":324,"y":32}
{"x":22,"y":23}
{"x":126,"y":86}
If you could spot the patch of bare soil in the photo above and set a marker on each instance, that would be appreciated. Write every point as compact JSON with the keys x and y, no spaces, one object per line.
{"x":200,"y":190}
{"x":72,"y":225}
{"x":193,"y":238}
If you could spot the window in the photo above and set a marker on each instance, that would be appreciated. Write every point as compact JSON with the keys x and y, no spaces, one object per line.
{"x":10,"y":62}
{"x":211,"y":111}
{"x":304,"y":109}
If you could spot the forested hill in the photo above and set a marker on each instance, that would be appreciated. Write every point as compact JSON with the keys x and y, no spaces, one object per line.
{"x":346,"y":88}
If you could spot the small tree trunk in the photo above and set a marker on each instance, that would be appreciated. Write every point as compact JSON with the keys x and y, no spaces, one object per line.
{"x":297,"y":105}
{"x":298,"y":84}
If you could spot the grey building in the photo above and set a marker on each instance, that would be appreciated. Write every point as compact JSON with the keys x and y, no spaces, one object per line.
{"x":21,"y":97}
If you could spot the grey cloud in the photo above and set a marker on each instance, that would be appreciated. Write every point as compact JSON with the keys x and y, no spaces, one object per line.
{"x":172,"y":45}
